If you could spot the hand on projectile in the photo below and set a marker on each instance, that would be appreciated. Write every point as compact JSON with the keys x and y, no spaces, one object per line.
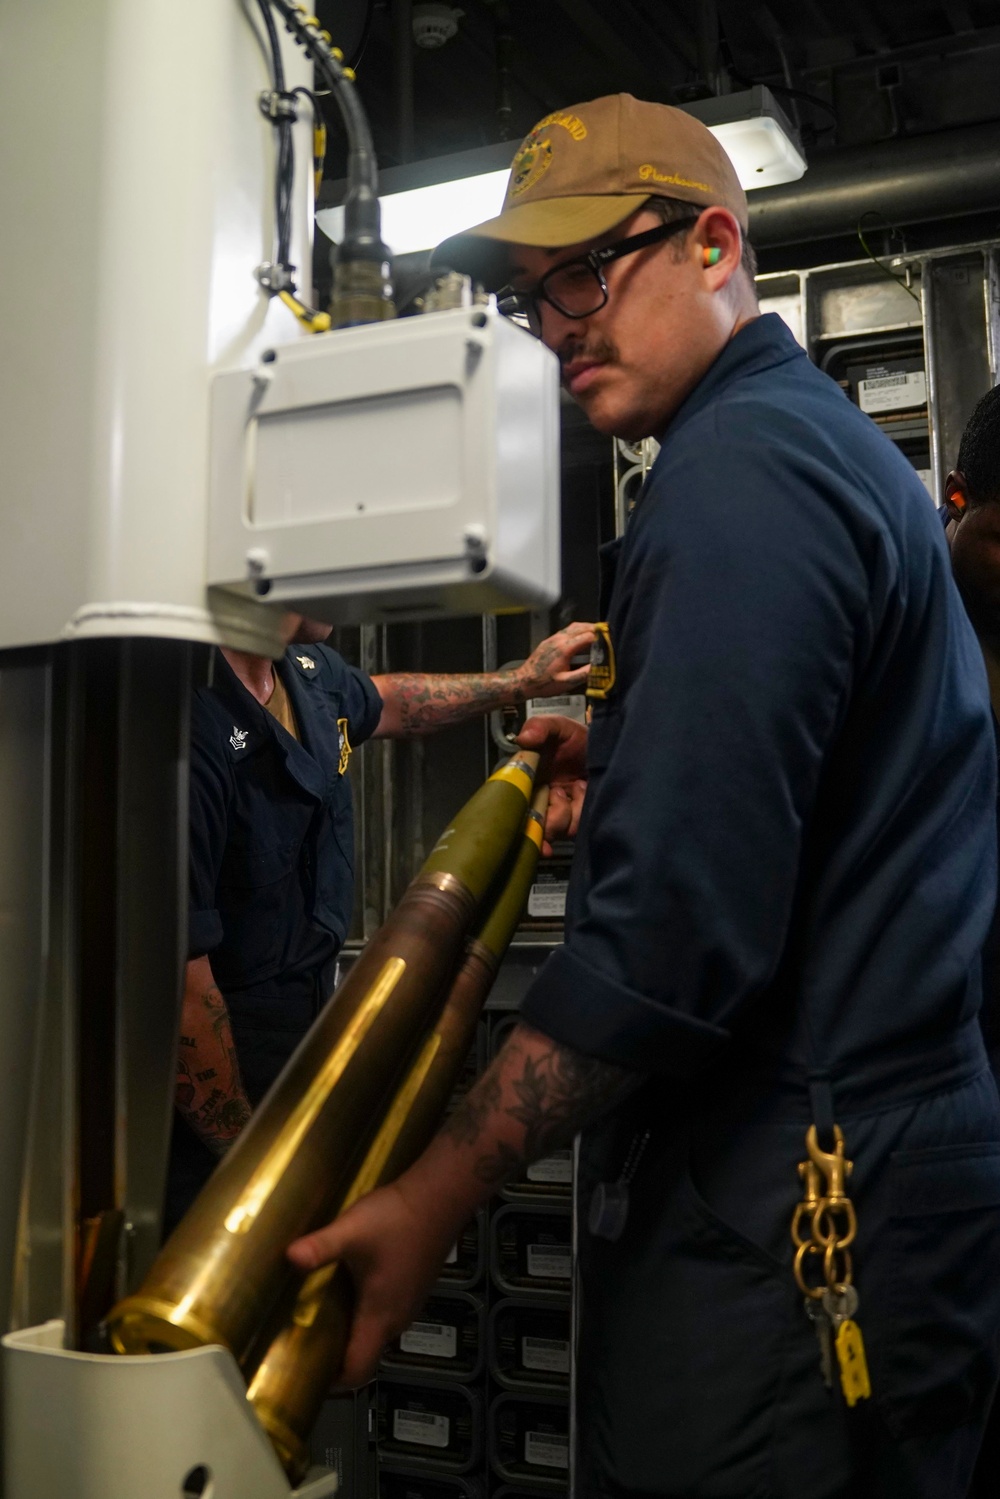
{"x":563,"y":746}
{"x":394,"y":1255}
{"x":549,"y":671}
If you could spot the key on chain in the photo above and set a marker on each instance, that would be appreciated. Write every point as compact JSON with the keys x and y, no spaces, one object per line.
{"x":840,"y":1307}
{"x":609,"y":1203}
{"x":823,"y":1327}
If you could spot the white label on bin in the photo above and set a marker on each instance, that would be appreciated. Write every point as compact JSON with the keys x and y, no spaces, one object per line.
{"x":550,"y":1261}
{"x":893,"y":392}
{"x":548,"y":1354}
{"x":552,"y":1168}
{"x":434,"y":1338}
{"x":421,"y":1426}
{"x":545,"y":1449}
{"x":451,"y":1258}
{"x":568,"y":706}
{"x":548,"y":898}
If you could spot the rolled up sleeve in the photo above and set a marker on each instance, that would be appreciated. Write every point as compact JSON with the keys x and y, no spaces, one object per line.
{"x":737,"y":639}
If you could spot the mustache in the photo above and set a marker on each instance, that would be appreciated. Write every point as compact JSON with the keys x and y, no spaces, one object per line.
{"x":600,"y":350}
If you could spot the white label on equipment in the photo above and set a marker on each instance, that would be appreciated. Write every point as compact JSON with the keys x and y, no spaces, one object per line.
{"x":546,"y":1450}
{"x":550,"y":1261}
{"x":548,"y":899}
{"x":421,"y":1426}
{"x":893,"y":392}
{"x":452,"y":1256}
{"x":434,"y":1338}
{"x":549,"y":1354}
{"x":574,"y":706}
{"x":552,"y":1168}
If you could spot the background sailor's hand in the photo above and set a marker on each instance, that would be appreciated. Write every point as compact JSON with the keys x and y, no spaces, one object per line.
{"x":394,"y":1250}
{"x":563,"y":746}
{"x":548,"y":671}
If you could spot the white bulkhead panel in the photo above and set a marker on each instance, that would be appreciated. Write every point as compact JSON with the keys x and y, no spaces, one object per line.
{"x":136,"y":195}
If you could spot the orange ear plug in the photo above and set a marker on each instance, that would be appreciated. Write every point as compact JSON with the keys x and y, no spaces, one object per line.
{"x":711,"y":255}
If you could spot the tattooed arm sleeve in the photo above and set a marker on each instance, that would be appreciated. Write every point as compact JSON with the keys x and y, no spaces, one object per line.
{"x":421,"y":702}
{"x":209,"y":1092}
{"x":533,"y":1100}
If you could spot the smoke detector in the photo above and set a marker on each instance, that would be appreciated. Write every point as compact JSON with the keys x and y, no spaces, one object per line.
{"x":435,"y":23}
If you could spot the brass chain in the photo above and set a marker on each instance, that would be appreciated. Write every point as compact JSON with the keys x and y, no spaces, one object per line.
{"x":829,"y":1213}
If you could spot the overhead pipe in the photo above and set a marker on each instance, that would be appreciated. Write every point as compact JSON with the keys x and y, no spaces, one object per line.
{"x":909,"y":180}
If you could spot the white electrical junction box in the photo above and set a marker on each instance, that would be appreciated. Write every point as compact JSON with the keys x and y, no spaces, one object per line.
{"x":400,"y":470}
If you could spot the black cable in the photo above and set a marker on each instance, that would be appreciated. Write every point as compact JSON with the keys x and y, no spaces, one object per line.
{"x":277,"y":65}
{"x":284,"y":178}
{"x":361,"y":215}
{"x":873,"y":213}
{"x":784,"y":88}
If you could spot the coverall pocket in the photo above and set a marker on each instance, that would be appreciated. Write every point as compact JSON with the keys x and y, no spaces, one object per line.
{"x":731,"y":1305}
{"x":943,"y":1292}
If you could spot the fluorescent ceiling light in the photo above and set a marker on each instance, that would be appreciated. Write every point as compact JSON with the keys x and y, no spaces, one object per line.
{"x":756,"y":134}
{"x":422,"y":217}
{"x":760,"y":151}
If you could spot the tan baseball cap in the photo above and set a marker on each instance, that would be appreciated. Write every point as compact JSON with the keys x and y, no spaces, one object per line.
{"x":583,"y":170}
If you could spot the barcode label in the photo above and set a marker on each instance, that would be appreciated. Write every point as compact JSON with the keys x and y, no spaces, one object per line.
{"x":436,"y":1339}
{"x":421,"y":1426}
{"x":550,"y":1261}
{"x":571,"y":706}
{"x":550,"y":1355}
{"x":893,"y":392}
{"x":548,"y":898}
{"x":557,"y":1167}
{"x":546,"y":1450}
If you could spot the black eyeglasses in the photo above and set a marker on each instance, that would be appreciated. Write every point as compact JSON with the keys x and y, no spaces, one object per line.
{"x":577,"y":288}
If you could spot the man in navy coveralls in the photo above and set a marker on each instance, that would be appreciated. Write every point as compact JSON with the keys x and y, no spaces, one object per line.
{"x":784,"y":874}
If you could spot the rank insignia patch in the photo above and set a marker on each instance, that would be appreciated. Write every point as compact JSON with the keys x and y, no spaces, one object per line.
{"x":306,"y":662}
{"x":602,"y":675}
{"x":344,"y":745}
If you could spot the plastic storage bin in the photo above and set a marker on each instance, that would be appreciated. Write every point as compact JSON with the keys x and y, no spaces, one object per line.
{"x":529,"y":1439}
{"x":531,"y":1249}
{"x":428,"y":1422}
{"x":529,"y":1344}
{"x":447,"y":1339}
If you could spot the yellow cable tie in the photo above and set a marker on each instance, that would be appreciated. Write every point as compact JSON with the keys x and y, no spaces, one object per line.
{"x":337,"y":55}
{"x":350,"y":74}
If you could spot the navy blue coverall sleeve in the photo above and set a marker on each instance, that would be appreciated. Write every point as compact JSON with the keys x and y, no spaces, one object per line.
{"x":742,"y":630}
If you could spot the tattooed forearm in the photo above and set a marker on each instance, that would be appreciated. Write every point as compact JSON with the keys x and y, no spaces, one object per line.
{"x":532,"y":1101}
{"x":419,"y":703}
{"x":209,"y":1091}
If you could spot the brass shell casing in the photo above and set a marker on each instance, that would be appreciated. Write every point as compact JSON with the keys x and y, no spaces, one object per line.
{"x":304,"y":1359}
{"x":224,"y":1268}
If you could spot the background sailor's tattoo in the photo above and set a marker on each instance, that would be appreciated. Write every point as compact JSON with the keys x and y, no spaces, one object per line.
{"x":426,"y":701}
{"x":211,"y":1098}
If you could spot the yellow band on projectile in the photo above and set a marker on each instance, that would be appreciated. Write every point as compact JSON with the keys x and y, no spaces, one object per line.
{"x":534,"y":829}
{"x":516,"y":773}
